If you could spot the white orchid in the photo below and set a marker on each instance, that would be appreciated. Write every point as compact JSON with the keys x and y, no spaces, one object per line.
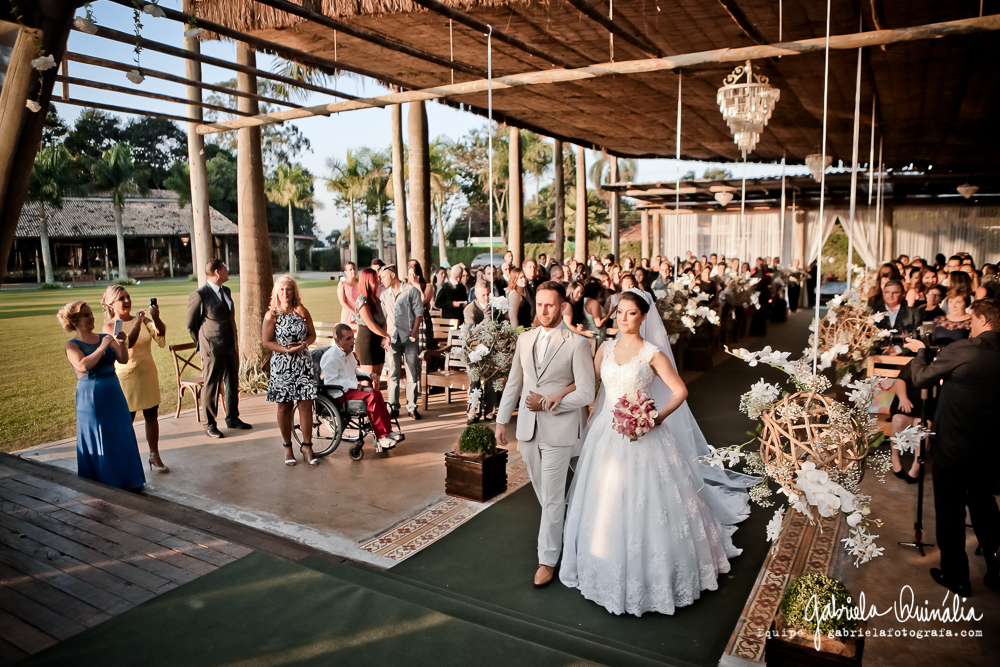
{"x":135,"y":76}
{"x":907,"y":440}
{"x":154,"y":10}
{"x":43,"y":63}
{"x":854,"y":519}
{"x":774,"y":525}
{"x":773,"y":357}
{"x":193,"y":32}
{"x":478,"y":353}
{"x":821,"y":492}
{"x":500,"y":303}
{"x":715,"y":457}
{"x":35,"y":107}
{"x":827,"y":357}
{"x":759,"y":399}
{"x":862,"y":545}
{"x":474,"y":397}
{"x":85,"y":25}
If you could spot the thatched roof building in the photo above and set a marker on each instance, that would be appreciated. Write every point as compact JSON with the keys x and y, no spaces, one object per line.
{"x":934,"y":98}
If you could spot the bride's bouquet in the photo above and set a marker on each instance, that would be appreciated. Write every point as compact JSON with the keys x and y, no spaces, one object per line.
{"x":634,"y":415}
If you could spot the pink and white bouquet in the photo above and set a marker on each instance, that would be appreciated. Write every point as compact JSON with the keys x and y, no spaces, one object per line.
{"x":634,"y":415}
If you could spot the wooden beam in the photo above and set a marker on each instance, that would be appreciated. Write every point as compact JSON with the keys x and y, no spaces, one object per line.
{"x":741,"y":20}
{"x":288,"y":53}
{"x":839,"y":42}
{"x":378,"y":40}
{"x":132,"y":40}
{"x":123,"y":67}
{"x":71,"y":80}
{"x":116,"y":109}
{"x":635,"y":39}
{"x":476,"y":24}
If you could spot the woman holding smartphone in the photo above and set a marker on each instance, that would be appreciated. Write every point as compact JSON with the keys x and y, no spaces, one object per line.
{"x":137,"y":375}
{"x":106,"y":449}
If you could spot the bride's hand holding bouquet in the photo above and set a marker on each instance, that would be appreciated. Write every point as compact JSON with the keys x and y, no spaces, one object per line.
{"x":634,"y":416}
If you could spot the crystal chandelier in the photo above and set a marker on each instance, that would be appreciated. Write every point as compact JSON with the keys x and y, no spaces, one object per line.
{"x":724,"y":197}
{"x":817,"y":165}
{"x":967,"y":190}
{"x":746,"y":101}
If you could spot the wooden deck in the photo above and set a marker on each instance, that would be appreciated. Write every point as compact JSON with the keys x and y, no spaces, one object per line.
{"x":74,"y":553}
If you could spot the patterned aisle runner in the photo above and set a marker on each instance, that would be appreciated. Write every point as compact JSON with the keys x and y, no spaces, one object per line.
{"x":434,"y":523}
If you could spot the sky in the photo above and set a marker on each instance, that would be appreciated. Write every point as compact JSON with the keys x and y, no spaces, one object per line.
{"x":331,"y":137}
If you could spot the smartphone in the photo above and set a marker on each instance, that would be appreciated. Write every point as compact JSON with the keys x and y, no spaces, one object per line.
{"x":152,"y":302}
{"x":118,"y":328}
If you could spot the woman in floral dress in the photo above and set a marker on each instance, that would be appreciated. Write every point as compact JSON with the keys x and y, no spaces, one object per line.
{"x":288,"y":332}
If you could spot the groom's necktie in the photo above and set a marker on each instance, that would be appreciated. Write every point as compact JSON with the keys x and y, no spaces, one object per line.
{"x":541,"y":347}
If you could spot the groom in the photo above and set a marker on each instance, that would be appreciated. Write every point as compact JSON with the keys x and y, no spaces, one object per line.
{"x":548,"y":359}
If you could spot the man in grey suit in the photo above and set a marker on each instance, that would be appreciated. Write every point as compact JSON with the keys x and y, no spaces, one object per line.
{"x":548,"y":359}
{"x":212,"y":322}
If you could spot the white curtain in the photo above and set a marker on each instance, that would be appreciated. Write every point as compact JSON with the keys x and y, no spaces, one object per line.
{"x":830,"y":216}
{"x":678,"y":234}
{"x":758,"y":236}
{"x":925,"y":231}
{"x":862,"y":238}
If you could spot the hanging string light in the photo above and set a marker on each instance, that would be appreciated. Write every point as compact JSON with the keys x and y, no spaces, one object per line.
{"x":746,"y":101}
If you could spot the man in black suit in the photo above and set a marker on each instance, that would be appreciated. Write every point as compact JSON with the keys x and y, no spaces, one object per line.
{"x":211,"y":319}
{"x":966,"y":456}
{"x":474,"y":314}
{"x":898,"y":315}
{"x":452,"y":296}
{"x":530,"y":268}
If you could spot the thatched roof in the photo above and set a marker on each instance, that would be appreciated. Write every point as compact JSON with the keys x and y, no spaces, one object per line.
{"x":90,"y":217}
{"x":936,"y":98}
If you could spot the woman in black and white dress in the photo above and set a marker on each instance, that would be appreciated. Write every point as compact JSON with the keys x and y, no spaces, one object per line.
{"x":288,"y":332}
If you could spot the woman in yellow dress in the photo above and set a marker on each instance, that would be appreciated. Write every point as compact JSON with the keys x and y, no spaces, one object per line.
{"x":138,"y":376}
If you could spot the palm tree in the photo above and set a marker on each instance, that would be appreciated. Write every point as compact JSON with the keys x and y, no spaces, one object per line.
{"x":121,"y":176}
{"x":378,"y":165}
{"x":51,"y":179}
{"x":348,"y":182}
{"x":291,"y":186}
{"x":536,"y":156}
{"x":443,"y":185}
{"x":601,"y":169}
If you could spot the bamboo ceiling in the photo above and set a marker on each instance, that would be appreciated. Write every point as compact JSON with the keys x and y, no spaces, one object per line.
{"x":936,"y":99}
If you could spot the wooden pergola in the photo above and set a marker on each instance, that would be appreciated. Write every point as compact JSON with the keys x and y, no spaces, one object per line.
{"x":637,"y":79}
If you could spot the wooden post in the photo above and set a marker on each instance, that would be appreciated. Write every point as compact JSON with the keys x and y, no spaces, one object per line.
{"x":256,"y":275}
{"x":644,"y":228}
{"x":615,"y":209}
{"x":20,"y":128}
{"x":581,"y":205}
{"x":888,"y":235}
{"x":201,"y":241}
{"x":170,"y":254}
{"x":399,"y":191}
{"x":656,"y":222}
{"x":515,"y":199}
{"x":560,"y":200}
{"x":420,"y":185}
{"x":799,"y":250}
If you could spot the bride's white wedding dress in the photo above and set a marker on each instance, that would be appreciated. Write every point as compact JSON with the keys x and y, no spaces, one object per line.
{"x":638,"y":537}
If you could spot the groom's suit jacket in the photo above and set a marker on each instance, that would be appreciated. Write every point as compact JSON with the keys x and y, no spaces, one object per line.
{"x":567,"y":361}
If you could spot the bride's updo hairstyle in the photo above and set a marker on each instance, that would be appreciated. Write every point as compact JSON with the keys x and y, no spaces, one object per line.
{"x":639,"y":302}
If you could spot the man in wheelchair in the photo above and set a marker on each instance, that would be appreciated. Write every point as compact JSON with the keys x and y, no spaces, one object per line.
{"x":340,"y":368}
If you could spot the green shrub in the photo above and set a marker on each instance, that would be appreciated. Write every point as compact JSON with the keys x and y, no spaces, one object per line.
{"x":797,"y":604}
{"x":125,"y":281}
{"x":52,"y":285}
{"x":477,"y":439}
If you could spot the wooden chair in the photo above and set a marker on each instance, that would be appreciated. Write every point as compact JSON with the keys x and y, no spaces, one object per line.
{"x":889,"y":367}
{"x":453,"y":375}
{"x":184,"y":356}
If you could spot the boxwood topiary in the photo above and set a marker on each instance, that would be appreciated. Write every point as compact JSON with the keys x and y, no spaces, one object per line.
{"x":477,"y":439}
{"x":801,"y":611}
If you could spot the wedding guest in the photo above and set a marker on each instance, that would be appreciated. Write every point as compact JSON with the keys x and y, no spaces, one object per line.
{"x":508,"y":257}
{"x":899,"y":317}
{"x":138,"y":377}
{"x":664,"y":278}
{"x":440,"y":278}
{"x":932,"y":309}
{"x":642,"y":277}
{"x":519,"y":309}
{"x":347,"y":293}
{"x":886,"y":272}
{"x":476,"y":313}
{"x":339,"y":367}
{"x":505,"y":274}
{"x":415,"y":276}
{"x":106,"y":448}
{"x":966,"y":457}
{"x":531,"y":283}
{"x":211,"y":321}
{"x":451,"y":298}
{"x":957,"y":324}
{"x":287,"y":331}
{"x":498,"y":284}
{"x":403,"y":306}
{"x":372,"y":338}
{"x":914,"y":287}
{"x":572,"y":309}
{"x":557,"y":274}
{"x":594,"y":320}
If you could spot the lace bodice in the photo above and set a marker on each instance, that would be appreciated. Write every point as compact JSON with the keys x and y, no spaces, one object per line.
{"x":634,"y":375}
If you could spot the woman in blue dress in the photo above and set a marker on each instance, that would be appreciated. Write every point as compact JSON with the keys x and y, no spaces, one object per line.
{"x":106,"y":448}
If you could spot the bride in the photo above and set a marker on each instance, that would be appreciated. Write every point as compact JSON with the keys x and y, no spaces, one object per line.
{"x":643,"y":530}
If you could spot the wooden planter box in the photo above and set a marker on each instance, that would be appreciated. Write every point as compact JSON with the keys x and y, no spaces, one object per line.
{"x":800,"y":651}
{"x":474,"y":478}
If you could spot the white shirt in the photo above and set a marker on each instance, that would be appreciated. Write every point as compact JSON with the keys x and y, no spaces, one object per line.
{"x":542,"y":344}
{"x":893,"y":314}
{"x":340,"y":369}
{"x":219,"y":292}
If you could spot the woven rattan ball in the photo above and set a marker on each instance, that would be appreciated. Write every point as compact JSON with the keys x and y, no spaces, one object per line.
{"x":850,"y":328}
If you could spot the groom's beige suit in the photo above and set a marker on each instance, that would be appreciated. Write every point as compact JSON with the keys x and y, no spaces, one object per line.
{"x":545,"y":362}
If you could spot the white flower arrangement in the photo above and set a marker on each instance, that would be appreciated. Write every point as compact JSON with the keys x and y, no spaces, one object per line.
{"x":907,"y":440}
{"x":488,"y":350}
{"x":85,"y":25}
{"x":154,"y":10}
{"x":43,"y":63}
{"x":135,"y":76}
{"x":193,"y":32}
{"x":33,"y":106}
{"x":499,"y":303}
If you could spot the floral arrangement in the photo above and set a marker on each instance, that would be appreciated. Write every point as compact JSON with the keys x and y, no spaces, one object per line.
{"x":634,"y":415}
{"x":684,"y":307}
{"x":812,"y":447}
{"x":849,"y":330}
{"x":488,"y":351}
{"x":740,"y":292}
{"x":811,"y":591}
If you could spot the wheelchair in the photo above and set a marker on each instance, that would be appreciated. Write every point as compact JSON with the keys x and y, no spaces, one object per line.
{"x":335,"y":422}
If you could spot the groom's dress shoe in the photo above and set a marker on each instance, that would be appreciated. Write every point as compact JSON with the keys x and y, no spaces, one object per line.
{"x":213,"y":431}
{"x":544,"y":575}
{"x":961,"y":589}
{"x":238,"y":424}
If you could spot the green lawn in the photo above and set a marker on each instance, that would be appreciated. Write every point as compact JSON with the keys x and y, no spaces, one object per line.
{"x":38,"y":387}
